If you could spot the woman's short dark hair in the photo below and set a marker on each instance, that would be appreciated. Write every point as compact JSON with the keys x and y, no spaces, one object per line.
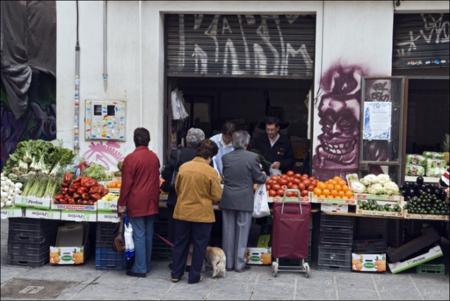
{"x":272,"y":120}
{"x":141,"y":137}
{"x":228,"y":128}
{"x":207,"y":149}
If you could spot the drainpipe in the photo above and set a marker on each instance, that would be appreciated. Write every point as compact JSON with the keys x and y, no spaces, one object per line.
{"x":76,"y":126}
{"x":105,"y":45}
{"x":140,"y":66}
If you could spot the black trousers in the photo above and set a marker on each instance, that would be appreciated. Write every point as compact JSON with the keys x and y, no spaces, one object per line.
{"x":171,"y":224}
{"x":186,"y":233}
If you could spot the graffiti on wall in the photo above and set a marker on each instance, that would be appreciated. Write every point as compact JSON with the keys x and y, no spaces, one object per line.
{"x":240,"y":45}
{"x":421,"y":40}
{"x":337,"y":151}
{"x":107,"y":154}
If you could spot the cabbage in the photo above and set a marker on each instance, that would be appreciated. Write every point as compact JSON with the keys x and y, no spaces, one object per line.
{"x":391,"y":188}
{"x":358,"y":187}
{"x":376,"y":188}
{"x":383,"y":178}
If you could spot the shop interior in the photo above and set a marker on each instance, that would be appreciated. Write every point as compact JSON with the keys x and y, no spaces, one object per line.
{"x":212,"y":101}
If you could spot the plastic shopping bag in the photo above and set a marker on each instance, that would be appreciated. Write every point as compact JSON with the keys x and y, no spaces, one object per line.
{"x":178,"y":105}
{"x":261,"y":202}
{"x":129,"y":243}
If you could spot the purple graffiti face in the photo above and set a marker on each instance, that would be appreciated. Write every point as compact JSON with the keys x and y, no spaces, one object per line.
{"x":339,"y":111}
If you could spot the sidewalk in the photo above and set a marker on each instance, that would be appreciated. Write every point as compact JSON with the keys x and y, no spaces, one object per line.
{"x":85,"y":282}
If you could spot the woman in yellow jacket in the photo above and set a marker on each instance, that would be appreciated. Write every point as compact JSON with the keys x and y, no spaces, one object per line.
{"x":197,"y":187}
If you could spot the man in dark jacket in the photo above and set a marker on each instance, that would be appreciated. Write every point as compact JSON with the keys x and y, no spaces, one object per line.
{"x":274,"y":147}
{"x":177,"y":157}
{"x":139,"y":197}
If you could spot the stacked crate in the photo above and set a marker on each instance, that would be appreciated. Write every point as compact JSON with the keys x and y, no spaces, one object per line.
{"x":335,"y":243}
{"x":105,"y":257}
{"x":29,"y":241}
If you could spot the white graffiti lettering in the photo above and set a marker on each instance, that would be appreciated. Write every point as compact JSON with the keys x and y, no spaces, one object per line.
{"x":212,"y":33}
{"x":229,"y":48}
{"x":202,"y":56}
{"x":226,"y":26}
{"x":182,"y":43}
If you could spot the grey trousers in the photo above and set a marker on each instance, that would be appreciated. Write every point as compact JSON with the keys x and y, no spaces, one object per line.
{"x":235,"y":230}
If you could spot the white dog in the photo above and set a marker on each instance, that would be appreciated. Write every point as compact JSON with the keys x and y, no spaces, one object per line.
{"x":216,"y":259}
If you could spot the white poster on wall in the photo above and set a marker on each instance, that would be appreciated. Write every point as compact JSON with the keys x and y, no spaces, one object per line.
{"x":377,"y":120}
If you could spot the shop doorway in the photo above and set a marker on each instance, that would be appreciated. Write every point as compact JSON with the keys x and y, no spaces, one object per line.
{"x":212,"y":101}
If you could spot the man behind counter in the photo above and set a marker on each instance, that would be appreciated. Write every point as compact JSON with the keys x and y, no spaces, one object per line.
{"x":274,"y":147}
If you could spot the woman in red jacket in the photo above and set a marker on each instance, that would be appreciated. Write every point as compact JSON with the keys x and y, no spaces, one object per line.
{"x":139,"y":197}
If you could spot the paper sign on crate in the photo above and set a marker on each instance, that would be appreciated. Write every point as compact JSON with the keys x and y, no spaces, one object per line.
{"x":74,"y":207}
{"x":79,"y":216}
{"x":435,"y":217}
{"x":103,"y":205}
{"x":11,"y":212}
{"x":109,"y":217}
{"x":338,"y":208}
{"x":31,"y":201}
{"x":376,"y":197}
{"x":42,"y":214}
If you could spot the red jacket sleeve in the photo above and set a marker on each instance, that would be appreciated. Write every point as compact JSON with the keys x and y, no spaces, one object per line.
{"x":127,"y":181}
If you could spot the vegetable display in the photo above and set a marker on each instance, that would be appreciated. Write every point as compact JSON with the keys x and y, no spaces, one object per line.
{"x":374,"y":205}
{"x":375,"y":184}
{"x":335,"y":188}
{"x":425,"y":198}
{"x":276,"y":185}
{"x":81,"y":191}
{"x":37,"y":157}
{"x":9,"y":190}
{"x":97,"y":172}
{"x":431,"y":164}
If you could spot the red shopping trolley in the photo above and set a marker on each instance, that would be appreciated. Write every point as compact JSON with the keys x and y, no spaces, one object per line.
{"x":290,"y":234}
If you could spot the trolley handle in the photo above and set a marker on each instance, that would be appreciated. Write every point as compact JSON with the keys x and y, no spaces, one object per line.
{"x":298,"y":198}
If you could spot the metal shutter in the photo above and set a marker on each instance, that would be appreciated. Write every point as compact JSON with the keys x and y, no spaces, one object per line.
{"x":256,"y":46}
{"x":421,"y":41}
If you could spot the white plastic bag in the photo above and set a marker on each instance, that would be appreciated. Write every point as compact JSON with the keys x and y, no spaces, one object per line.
{"x":129,"y":243}
{"x":178,"y":107}
{"x":261,"y":202}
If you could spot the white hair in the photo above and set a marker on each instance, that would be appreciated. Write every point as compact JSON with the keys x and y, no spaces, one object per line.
{"x":241,"y":139}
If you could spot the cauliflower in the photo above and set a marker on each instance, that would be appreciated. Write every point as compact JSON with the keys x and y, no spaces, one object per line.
{"x":358,"y":187}
{"x":391,"y":188}
{"x":383,"y":178}
{"x":369,"y":179}
{"x":376,"y":188}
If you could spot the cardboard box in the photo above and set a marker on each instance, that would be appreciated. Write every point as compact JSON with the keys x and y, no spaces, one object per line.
{"x":259,"y":256}
{"x":11,"y":212}
{"x":79,"y":216}
{"x":70,"y":247}
{"x":369,"y":262}
{"x":432,"y":254}
{"x":103,"y":205}
{"x":43,"y":214}
{"x":109,"y":217}
{"x":33,"y":202}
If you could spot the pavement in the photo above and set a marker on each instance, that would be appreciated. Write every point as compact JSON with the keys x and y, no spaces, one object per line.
{"x":85,"y":282}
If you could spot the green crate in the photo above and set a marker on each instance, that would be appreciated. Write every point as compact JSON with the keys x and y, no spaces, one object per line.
{"x":431,"y":269}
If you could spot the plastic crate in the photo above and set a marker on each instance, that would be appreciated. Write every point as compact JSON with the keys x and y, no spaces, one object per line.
{"x":334,"y":258}
{"x":108,"y":259}
{"x":431,"y":269}
{"x":327,"y":238}
{"x":30,"y":224}
{"x":370,"y":246}
{"x":30,"y":262}
{"x":26,"y":250}
{"x":31,"y":237}
{"x":336,"y":221}
{"x":105,"y":235}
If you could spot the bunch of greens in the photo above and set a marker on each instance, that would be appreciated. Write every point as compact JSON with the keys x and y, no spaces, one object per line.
{"x":36,"y":158}
{"x":97,"y":171}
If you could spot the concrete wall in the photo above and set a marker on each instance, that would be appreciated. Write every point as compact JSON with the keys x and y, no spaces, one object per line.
{"x":348,"y":33}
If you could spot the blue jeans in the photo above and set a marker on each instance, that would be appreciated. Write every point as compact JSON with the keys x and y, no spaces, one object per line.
{"x":143,"y":228}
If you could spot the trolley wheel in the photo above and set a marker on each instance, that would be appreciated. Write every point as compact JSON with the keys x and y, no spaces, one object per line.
{"x":307,"y":270}
{"x":275,"y":269}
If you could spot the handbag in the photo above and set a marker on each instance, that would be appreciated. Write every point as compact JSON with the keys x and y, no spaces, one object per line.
{"x":261,"y":202}
{"x":119,"y":240}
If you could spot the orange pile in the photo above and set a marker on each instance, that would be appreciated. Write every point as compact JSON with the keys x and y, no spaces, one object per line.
{"x":335,"y":188}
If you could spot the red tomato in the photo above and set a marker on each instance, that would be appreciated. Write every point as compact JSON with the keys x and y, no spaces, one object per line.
{"x":290,"y":173}
{"x":301,"y":186}
{"x":283,"y":182}
{"x":280,"y":192}
{"x":304,"y":177}
{"x":298,"y":176}
{"x":312,"y":178}
{"x":276,"y":186}
{"x":284,"y":187}
{"x":311,"y":187}
{"x":291,"y":194}
{"x":297,"y":181}
{"x":304,"y":192}
{"x":295,"y":186}
{"x":275,"y":178}
{"x":307,"y":182}
{"x":272,"y":193}
{"x":268,"y":187}
{"x":290,"y":185}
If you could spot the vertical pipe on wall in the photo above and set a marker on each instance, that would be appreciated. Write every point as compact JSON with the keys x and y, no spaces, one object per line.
{"x":105,"y":45}
{"x":141,"y":103}
{"x":76,"y":126}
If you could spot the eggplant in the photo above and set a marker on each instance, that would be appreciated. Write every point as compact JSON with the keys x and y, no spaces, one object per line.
{"x":419,"y":180}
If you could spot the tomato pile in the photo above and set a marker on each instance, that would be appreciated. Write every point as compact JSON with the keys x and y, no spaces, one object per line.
{"x":81,"y":191}
{"x":335,"y":188}
{"x":276,"y":185}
